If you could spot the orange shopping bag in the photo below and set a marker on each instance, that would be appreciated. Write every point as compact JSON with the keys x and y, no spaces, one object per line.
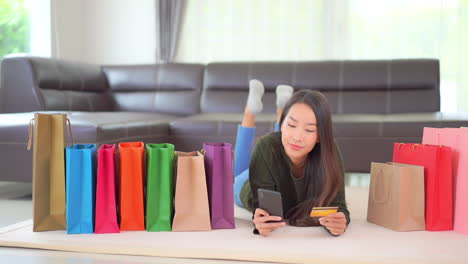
{"x":132,"y":214}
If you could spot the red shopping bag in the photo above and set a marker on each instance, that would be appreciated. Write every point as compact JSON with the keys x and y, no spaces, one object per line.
{"x":437,"y":163}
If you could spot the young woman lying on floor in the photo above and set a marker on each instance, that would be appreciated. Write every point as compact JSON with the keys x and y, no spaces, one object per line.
{"x":300,"y":160}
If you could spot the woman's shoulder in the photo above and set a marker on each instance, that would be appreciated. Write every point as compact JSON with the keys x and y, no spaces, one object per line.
{"x":269,"y":145}
{"x":271,"y":140}
{"x":267,"y":154}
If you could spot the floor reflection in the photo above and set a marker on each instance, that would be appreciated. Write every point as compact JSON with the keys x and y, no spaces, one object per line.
{"x":354,"y":179}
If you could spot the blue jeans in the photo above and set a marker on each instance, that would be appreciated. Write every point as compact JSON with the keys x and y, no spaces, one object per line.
{"x":243,"y":151}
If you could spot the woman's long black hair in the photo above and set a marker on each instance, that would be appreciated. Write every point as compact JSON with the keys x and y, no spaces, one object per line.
{"x":323,"y":171}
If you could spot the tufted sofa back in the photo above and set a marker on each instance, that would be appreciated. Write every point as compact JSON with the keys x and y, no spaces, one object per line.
{"x":50,"y":84}
{"x":378,"y":87}
{"x":54,"y":85}
{"x":165,"y":88}
{"x":367,"y":87}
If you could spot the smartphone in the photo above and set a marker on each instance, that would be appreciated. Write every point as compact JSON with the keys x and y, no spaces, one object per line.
{"x":271,"y":202}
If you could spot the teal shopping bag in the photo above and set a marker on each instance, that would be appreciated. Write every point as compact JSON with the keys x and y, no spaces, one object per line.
{"x":81,"y":181}
{"x":160,"y":187}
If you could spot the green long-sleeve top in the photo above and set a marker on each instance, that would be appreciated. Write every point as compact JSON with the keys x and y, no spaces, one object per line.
{"x":271,"y":168}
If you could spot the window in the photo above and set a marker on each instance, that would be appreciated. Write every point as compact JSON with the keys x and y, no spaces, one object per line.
{"x":25,"y":27}
{"x":14,"y":27}
{"x":250,"y":30}
{"x":415,"y":29}
{"x":302,"y":30}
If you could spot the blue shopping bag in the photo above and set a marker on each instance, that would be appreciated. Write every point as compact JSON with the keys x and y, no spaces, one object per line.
{"x":81,"y":181}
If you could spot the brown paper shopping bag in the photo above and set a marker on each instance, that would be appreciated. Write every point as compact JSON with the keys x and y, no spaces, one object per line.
{"x":396,"y":196}
{"x":48,"y":170}
{"x":192,"y":212}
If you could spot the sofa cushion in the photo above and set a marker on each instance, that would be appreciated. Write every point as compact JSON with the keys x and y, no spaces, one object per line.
{"x":411,"y":125}
{"x":71,"y":86}
{"x":357,"y":125}
{"x":87,"y":127}
{"x":163,"y":88}
{"x":395,"y":125}
{"x":219,"y":124}
{"x":107,"y":127}
{"x":346,"y":125}
{"x":93,"y":127}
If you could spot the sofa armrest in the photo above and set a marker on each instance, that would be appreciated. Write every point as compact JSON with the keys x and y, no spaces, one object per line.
{"x":18,"y":87}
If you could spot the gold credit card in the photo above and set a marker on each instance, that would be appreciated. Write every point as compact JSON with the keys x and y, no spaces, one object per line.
{"x":323,"y":211}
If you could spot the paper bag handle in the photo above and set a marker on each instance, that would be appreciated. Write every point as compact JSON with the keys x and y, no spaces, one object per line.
{"x":375,"y":184}
{"x":203,"y":152}
{"x":438,"y":140}
{"x":414,"y":145}
{"x":31,"y":124}
{"x":70,"y":130}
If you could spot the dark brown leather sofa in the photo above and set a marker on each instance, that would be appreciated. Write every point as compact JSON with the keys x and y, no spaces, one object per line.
{"x":375,"y":103}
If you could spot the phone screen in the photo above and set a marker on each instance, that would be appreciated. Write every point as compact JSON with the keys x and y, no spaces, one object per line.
{"x":271,"y":202}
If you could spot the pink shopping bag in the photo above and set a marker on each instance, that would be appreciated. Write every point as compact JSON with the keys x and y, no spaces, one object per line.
{"x":457,"y":139}
{"x":106,"y":208}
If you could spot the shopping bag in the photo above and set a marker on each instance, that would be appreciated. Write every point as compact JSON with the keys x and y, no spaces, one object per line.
{"x":457,"y":139}
{"x":48,"y":175}
{"x":131,"y":186}
{"x":81,"y":182}
{"x":437,"y":163}
{"x":396,"y":196}
{"x":192,"y":211}
{"x":106,"y":206}
{"x":160,"y":187}
{"x":220,"y":179}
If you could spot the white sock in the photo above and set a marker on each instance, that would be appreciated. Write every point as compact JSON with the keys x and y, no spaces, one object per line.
{"x":254,"y":101}
{"x":283,"y":93}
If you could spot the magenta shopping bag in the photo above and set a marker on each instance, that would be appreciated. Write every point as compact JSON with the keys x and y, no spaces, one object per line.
{"x":457,"y":139}
{"x":106,"y":207}
{"x":219,"y":176}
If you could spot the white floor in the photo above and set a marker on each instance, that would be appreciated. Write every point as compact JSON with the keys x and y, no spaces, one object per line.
{"x":16,"y":206}
{"x":15,"y":202}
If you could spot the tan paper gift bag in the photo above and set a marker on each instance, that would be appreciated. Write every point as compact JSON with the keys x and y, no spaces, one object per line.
{"x":396,"y":196}
{"x":192,"y":212}
{"x":48,"y":170}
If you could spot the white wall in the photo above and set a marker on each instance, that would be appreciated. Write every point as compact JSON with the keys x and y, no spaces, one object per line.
{"x":67,"y":29}
{"x":104,"y":31}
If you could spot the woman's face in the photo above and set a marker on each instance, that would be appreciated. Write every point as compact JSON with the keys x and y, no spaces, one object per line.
{"x":299,"y":132}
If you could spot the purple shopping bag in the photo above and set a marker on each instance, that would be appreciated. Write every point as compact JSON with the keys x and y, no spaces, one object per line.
{"x":219,"y":177}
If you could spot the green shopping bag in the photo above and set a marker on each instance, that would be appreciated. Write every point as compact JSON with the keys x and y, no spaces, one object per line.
{"x":160,"y":187}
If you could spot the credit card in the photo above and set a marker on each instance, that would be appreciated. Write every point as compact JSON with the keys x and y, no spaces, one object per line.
{"x":323,"y":211}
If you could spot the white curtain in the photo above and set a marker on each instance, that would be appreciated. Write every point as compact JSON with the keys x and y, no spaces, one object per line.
{"x":301,"y":30}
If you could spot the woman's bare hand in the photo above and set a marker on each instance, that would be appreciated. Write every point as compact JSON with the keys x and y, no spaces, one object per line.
{"x":336,"y":223}
{"x":260,"y":219}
